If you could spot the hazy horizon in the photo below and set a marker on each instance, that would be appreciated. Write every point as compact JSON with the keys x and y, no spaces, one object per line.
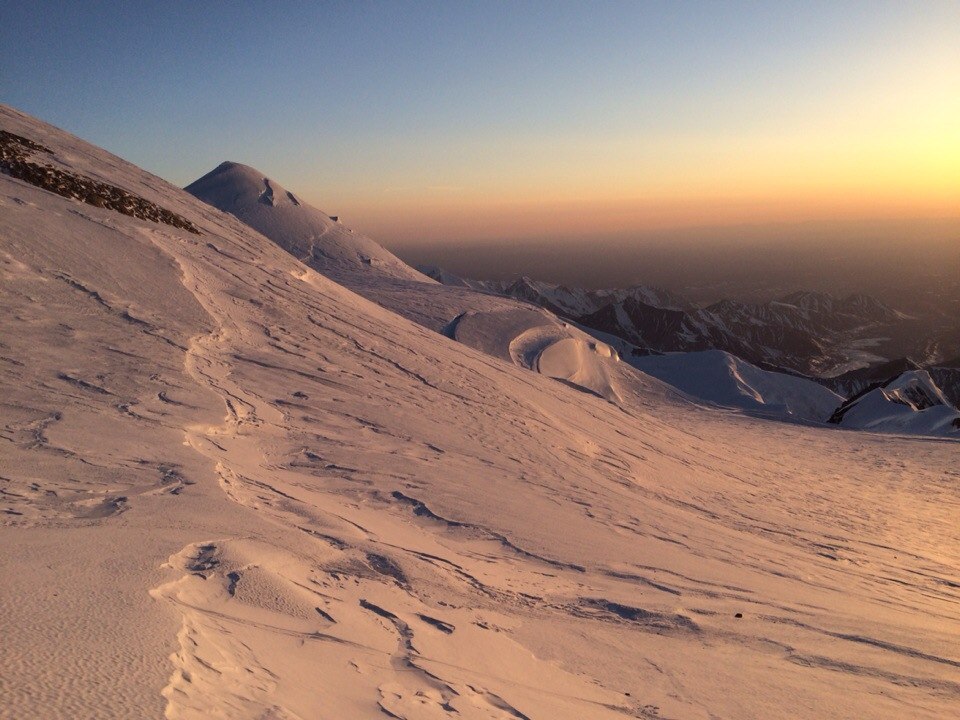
{"x":454,"y":123}
{"x":890,"y":259}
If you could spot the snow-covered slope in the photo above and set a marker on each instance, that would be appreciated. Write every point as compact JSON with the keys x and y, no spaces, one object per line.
{"x":910,"y":403}
{"x":233,"y":488}
{"x":717,"y":377}
{"x":307,"y":233}
{"x":367,"y":268}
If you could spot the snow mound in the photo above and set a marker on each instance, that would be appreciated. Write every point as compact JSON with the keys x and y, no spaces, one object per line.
{"x":307,"y":233}
{"x":719,"y":378}
{"x":579,"y":362}
{"x":496,"y":332}
{"x":538,"y":341}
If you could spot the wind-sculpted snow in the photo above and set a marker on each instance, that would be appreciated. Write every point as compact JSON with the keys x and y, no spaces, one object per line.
{"x":233,"y":488}
{"x":581,"y":362}
{"x":538,"y":341}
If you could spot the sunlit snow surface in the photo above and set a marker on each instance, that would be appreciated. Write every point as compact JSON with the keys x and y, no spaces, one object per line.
{"x":232,"y":488}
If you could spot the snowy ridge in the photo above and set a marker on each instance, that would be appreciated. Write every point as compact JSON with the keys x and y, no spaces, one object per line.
{"x":909,"y":403}
{"x":569,"y":302}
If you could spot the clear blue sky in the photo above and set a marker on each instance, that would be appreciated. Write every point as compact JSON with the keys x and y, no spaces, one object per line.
{"x":484,"y":114}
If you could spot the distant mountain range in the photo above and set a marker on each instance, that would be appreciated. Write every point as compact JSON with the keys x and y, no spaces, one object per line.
{"x":725,"y":352}
{"x":812,"y":333}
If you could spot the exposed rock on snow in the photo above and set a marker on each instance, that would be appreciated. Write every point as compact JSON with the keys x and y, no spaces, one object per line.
{"x":15,"y":151}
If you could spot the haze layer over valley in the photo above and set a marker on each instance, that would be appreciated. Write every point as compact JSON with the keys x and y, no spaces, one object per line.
{"x":254,"y":466}
{"x":911,"y":264}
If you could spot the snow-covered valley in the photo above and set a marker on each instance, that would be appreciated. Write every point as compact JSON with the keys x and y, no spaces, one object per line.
{"x":237,"y":484}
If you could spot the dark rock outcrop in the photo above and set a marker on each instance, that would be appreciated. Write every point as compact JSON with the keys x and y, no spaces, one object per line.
{"x":15,"y":151}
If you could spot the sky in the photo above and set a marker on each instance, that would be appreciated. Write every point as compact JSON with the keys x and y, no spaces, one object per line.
{"x":462,"y":122}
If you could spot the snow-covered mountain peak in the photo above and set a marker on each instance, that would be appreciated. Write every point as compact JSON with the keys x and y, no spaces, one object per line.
{"x":237,"y":178}
{"x":810,"y":301}
{"x":306,"y":232}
